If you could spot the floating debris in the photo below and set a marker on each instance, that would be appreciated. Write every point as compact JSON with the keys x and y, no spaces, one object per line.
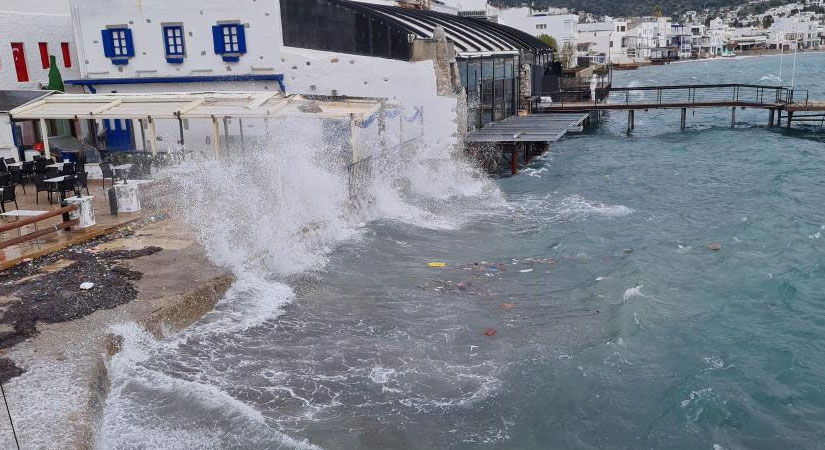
{"x":490,"y":332}
{"x":87,"y":285}
{"x":715,"y":247}
{"x":437,"y":264}
{"x":526,"y":270}
{"x":508,"y":306}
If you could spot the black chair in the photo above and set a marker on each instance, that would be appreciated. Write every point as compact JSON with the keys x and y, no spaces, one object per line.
{"x":68,"y":168}
{"x":28,"y":169}
{"x":52,"y":172}
{"x":107,"y":171}
{"x":82,"y":179}
{"x":10,"y":160}
{"x":3,"y":167}
{"x":40,"y":164}
{"x":79,"y":167}
{"x":67,"y":185}
{"x":8,"y":197}
{"x":42,"y":186}
{"x":17,"y":177}
{"x":5,"y":179}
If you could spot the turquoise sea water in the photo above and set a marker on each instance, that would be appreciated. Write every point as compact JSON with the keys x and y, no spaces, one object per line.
{"x":609,"y":322}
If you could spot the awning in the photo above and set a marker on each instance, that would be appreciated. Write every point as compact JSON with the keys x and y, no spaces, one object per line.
{"x":13,"y":99}
{"x":203,"y":105}
{"x":535,"y":128}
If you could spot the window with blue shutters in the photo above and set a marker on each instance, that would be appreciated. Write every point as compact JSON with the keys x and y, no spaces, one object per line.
{"x":174,"y":43}
{"x":117,"y":45}
{"x":229,"y":40}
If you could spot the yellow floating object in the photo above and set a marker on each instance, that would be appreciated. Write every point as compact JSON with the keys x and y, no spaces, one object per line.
{"x":437,"y":264}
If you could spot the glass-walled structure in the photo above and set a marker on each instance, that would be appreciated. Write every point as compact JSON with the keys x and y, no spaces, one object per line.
{"x":489,"y":55}
{"x":345,"y":27}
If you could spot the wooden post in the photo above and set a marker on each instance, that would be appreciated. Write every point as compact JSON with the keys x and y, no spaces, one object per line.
{"x":382,"y":127}
{"x":180,"y":132}
{"x":142,"y":134}
{"x":790,"y":119}
{"x":44,"y":134}
{"x":240,"y":127}
{"x":153,"y":136}
{"x":771,"y":114}
{"x":733,"y":117}
{"x":216,"y":136}
{"x":514,"y":162}
{"x":226,"y":134}
{"x":684,"y":118}
{"x":353,"y":139}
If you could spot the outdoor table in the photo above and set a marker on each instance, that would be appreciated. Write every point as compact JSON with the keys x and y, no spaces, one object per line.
{"x":120,"y":169}
{"x":85,"y":212}
{"x":57,"y":165}
{"x":127,"y":197}
{"x":16,"y":164}
{"x":23,"y":213}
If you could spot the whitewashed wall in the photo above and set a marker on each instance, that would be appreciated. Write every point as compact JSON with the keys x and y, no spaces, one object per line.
{"x":305,"y":71}
{"x":562,"y":27}
{"x":145,"y":18}
{"x":31,"y":28}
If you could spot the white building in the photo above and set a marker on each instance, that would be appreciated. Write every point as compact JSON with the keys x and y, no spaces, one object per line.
{"x":317,"y":47}
{"x":31,"y":31}
{"x":606,"y":38}
{"x":562,"y":27}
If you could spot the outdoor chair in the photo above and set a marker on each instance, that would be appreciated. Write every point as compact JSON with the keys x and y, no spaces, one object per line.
{"x":5,"y":179}
{"x":107,"y":171}
{"x":3,"y":167}
{"x":17,"y":177}
{"x":52,"y":172}
{"x":42,"y":186}
{"x":10,"y":160}
{"x":68,"y":168}
{"x":28,"y":169}
{"x":82,"y":180}
{"x":79,"y":167}
{"x":40,"y":165}
{"x":8,"y":197}
{"x":67,"y":185}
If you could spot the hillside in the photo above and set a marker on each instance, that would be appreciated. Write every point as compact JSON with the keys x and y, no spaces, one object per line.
{"x":617,"y":8}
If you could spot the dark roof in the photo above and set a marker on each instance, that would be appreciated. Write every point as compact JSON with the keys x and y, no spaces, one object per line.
{"x":13,"y":99}
{"x":469,"y":35}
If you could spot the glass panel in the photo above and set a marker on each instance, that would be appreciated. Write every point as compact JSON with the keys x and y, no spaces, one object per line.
{"x":344,"y":29}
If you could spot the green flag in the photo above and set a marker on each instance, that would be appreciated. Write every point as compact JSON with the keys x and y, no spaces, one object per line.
{"x":55,"y":80}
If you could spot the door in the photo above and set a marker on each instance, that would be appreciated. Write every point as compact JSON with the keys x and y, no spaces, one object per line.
{"x":20,"y":62}
{"x":118,"y":134}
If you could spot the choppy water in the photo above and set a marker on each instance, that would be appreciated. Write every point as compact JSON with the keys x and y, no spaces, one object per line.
{"x":615,"y":326}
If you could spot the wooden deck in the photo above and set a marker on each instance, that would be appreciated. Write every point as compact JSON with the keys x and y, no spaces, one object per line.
{"x":60,"y":239}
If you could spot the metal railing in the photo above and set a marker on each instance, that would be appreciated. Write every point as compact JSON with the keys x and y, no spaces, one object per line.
{"x":682,"y":95}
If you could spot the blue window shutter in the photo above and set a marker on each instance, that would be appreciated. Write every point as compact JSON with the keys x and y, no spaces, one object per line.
{"x":108,"y":45}
{"x":130,"y":46}
{"x":217,"y":36}
{"x":241,"y":39}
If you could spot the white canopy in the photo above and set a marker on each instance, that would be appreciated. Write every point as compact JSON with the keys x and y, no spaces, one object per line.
{"x":202,"y":105}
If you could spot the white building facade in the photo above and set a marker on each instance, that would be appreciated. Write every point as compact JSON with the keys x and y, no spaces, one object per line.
{"x":30,"y":32}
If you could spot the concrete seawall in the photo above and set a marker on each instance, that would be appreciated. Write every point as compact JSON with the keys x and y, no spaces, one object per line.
{"x":66,"y":362}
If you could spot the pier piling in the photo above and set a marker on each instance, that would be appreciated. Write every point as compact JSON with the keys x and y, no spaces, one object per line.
{"x":684,"y":119}
{"x":733,"y":117}
{"x":771,"y":114}
{"x":790,"y":118}
{"x":631,"y":119}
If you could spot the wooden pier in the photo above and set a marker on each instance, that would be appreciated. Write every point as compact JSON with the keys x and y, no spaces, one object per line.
{"x":780,"y":102}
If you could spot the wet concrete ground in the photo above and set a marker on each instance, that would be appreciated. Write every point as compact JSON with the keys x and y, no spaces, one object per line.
{"x":47,"y":290}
